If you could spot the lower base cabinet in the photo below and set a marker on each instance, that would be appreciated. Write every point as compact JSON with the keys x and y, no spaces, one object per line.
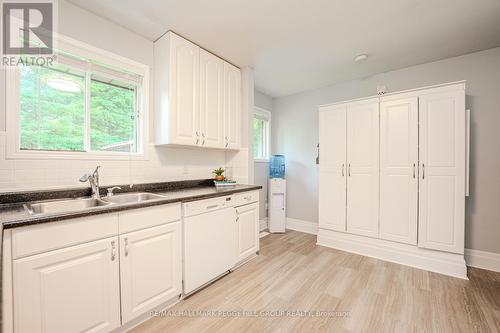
{"x":247,"y":220}
{"x":74,"y":289}
{"x":150,"y":268}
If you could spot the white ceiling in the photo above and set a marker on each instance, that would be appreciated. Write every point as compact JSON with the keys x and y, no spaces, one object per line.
{"x":298,"y":45}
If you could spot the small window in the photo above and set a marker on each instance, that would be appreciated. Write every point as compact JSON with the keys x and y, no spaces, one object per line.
{"x":77,"y":106}
{"x":261,"y":135}
{"x":54,"y":115}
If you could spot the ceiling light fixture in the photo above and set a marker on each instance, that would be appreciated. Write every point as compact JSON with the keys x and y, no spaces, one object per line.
{"x":63,"y":85}
{"x":360,"y":57}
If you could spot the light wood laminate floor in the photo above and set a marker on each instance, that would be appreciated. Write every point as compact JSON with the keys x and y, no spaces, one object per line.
{"x":293,"y":273}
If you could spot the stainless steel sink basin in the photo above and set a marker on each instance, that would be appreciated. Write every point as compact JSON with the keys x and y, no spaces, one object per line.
{"x":132,"y":198}
{"x":60,"y":206}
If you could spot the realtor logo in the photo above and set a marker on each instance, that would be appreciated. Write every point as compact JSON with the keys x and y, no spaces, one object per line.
{"x":28,"y":32}
{"x":27,"y":27}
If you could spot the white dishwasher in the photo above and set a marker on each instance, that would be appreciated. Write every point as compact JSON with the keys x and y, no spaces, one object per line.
{"x":209,"y":240}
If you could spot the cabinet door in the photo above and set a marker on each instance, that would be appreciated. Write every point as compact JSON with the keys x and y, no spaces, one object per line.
{"x":247,"y":220}
{"x":232,"y":106}
{"x":74,"y":289}
{"x":363,"y":167}
{"x":442,"y":171}
{"x":332,"y":168}
{"x":398,"y":170}
{"x":211,"y":100}
{"x":184,"y":92}
{"x":150,"y":268}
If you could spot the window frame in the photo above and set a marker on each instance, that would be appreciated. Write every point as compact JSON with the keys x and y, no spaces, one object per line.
{"x":86,"y":51}
{"x":263,"y":114}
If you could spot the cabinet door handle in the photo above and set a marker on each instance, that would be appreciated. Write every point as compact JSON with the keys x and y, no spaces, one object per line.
{"x":113,"y":251}
{"x":342,"y":169}
{"x":349,"y":170}
{"x":237,"y":218}
{"x":197,"y":137}
{"x":413,"y":170}
{"x":423,"y":170}
{"x":126,"y":247}
{"x":227,"y":144}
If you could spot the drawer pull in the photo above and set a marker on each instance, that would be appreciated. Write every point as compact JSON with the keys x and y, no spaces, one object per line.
{"x":113,"y":251}
{"x":212,"y":206}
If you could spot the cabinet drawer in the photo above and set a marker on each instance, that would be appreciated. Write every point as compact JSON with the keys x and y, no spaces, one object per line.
{"x":132,"y":220}
{"x":51,"y":236}
{"x":246,"y":198}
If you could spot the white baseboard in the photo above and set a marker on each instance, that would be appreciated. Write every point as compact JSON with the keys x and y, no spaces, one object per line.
{"x":263,"y":224}
{"x":483,"y":259}
{"x":436,"y":261}
{"x":302,"y":226}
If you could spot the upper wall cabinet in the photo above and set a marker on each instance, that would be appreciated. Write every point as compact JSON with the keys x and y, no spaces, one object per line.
{"x":197,"y":96}
{"x":211,"y":100}
{"x":232,"y":106}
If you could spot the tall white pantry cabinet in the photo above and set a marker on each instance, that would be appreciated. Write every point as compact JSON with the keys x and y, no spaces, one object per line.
{"x":393,"y":177}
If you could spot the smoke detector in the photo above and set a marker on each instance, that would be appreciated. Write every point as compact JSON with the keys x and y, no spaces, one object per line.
{"x":360,"y":58}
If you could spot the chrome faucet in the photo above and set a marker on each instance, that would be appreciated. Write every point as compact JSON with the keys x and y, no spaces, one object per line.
{"x":93,"y":179}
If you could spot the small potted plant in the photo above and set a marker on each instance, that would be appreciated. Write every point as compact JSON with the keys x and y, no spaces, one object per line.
{"x":219,"y":174}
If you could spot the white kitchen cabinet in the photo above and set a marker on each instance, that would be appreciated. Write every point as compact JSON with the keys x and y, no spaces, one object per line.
{"x":247,"y":222}
{"x":197,"y":96}
{"x":177,"y":84}
{"x":442,"y":170}
{"x":232,"y":106}
{"x":398,"y":169}
{"x":332,"y":168}
{"x":406,"y":177}
{"x":211,"y":100}
{"x":363,"y":167}
{"x":73,"y":289}
{"x":150,"y":268}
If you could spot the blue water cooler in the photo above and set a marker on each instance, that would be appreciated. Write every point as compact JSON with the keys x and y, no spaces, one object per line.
{"x":277,"y":194}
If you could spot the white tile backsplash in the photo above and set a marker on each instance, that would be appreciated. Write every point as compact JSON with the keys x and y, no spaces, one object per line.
{"x":160,"y":164}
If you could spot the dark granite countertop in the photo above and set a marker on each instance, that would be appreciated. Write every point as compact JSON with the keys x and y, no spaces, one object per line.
{"x":15,"y":215}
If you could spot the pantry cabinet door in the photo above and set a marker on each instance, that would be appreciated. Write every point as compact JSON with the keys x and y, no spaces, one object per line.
{"x":150,"y":268}
{"x":332,"y":167}
{"x":398,"y":170}
{"x":74,"y":289}
{"x":211,"y":100}
{"x":184,"y":93}
{"x":232,"y":106}
{"x":442,"y":170}
{"x":363,"y":167}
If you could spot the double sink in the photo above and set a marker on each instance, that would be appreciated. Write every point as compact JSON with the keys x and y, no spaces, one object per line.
{"x":82,"y":204}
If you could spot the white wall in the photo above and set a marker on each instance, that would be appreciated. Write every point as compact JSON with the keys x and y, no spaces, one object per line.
{"x":261,"y":168}
{"x":162,"y":164}
{"x":295,"y":134}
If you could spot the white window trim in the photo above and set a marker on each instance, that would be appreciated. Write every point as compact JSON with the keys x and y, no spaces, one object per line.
{"x":265,"y":114}
{"x":13,"y":150}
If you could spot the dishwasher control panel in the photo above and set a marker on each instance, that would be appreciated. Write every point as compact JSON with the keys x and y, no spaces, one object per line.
{"x":207,"y":205}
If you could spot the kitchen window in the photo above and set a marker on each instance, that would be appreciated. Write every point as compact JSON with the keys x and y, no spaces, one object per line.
{"x":261,"y":135}
{"x":78,"y":107}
